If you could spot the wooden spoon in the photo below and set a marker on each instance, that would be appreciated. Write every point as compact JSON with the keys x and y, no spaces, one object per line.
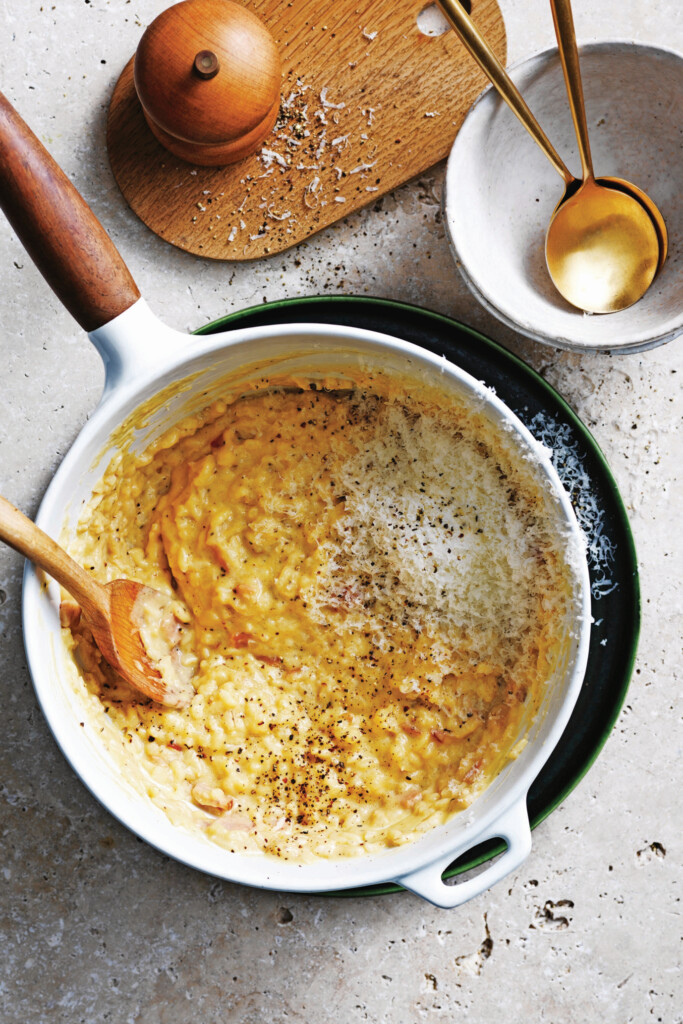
{"x":107,"y":609}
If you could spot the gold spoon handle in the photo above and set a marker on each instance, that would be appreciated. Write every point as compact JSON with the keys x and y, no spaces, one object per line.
{"x":29,"y":540}
{"x":501,"y":81}
{"x":569,"y":55}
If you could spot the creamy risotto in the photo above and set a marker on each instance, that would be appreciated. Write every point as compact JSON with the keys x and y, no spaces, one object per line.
{"x":372,"y":595}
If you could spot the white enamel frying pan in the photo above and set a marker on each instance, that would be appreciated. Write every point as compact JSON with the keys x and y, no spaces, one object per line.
{"x":141,"y":356}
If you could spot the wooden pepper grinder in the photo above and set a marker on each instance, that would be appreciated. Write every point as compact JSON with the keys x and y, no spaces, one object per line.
{"x":208,"y":73}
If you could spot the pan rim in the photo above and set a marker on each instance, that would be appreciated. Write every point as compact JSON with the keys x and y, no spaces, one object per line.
{"x":110,"y":412}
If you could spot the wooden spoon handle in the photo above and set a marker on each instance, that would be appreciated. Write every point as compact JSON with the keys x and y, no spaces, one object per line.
{"x":62,"y":235}
{"x":29,"y":540}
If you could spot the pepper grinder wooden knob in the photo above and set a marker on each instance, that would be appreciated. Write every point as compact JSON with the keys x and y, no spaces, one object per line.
{"x":208,"y":73}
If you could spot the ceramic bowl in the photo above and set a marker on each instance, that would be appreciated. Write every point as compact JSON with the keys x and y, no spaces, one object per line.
{"x":500,"y":191}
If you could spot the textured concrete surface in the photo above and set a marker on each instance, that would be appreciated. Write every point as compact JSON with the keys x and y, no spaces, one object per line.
{"x":96,"y":926}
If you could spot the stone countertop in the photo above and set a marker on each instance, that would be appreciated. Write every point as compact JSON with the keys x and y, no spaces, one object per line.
{"x":96,"y":925}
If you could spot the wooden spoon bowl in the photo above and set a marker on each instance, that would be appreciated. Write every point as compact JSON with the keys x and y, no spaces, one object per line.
{"x":118,"y":638}
{"x":107,"y":609}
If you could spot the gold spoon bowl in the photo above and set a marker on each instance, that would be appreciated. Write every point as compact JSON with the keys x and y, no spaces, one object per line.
{"x":601,"y":248}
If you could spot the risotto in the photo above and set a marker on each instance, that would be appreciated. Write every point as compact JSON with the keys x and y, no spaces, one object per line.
{"x":371,"y":595}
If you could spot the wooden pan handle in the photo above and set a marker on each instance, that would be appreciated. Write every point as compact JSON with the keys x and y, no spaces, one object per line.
{"x":60,"y":232}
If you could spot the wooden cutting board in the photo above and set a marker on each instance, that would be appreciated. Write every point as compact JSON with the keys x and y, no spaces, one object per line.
{"x":368,"y":102}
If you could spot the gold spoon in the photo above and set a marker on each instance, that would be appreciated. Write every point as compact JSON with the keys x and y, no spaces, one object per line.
{"x":594,"y":192}
{"x":108,"y":609}
{"x":606,"y":250}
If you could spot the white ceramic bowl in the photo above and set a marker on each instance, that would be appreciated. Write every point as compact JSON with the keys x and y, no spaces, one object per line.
{"x":137,"y":371}
{"x":500,"y":191}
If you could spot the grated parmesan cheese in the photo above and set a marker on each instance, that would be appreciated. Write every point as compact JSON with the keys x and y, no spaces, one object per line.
{"x":447,"y":531}
{"x":600,"y":548}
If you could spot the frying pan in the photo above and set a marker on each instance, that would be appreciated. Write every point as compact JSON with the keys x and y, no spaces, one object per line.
{"x":142,"y":356}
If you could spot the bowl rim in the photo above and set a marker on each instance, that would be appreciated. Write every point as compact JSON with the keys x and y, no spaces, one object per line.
{"x":360,"y":871}
{"x":541,"y":58}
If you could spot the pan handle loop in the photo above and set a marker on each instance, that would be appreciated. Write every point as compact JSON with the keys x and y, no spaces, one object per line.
{"x":513,"y":827}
